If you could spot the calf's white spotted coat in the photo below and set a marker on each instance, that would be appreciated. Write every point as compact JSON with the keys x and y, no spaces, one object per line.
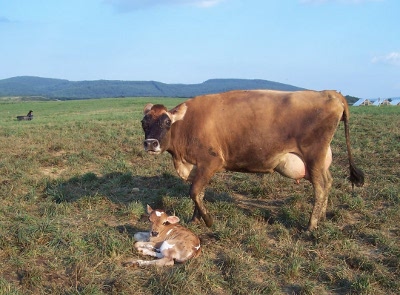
{"x":167,"y":240}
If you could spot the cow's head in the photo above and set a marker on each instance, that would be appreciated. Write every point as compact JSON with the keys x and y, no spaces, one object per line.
{"x":157,"y":123}
{"x":159,"y":221}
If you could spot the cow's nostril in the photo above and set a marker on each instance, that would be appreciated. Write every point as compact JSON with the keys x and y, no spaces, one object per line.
{"x":151,"y":144}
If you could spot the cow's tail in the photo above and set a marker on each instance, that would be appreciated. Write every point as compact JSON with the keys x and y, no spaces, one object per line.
{"x":356,"y":175}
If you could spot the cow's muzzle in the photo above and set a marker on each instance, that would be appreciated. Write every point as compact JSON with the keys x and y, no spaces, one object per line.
{"x":151,"y":145}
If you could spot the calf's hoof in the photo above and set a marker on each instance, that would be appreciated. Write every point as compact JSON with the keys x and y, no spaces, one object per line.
{"x":130,"y":263}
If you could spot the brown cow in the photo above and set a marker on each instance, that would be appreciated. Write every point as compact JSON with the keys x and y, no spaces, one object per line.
{"x":252,"y":131}
{"x":167,"y":240}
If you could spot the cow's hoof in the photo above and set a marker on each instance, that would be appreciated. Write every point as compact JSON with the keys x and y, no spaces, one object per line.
{"x":208,"y":220}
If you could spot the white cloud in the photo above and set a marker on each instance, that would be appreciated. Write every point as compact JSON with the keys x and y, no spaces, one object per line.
{"x":129,"y":5}
{"x":392,"y":58}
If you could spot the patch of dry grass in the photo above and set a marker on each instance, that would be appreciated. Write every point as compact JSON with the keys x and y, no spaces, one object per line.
{"x":74,"y":183}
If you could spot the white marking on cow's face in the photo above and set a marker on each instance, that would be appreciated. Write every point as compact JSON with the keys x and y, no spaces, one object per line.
{"x":158,"y":213}
{"x":168,"y":232}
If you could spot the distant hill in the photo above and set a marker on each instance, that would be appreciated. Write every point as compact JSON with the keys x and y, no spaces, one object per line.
{"x":64,"y":89}
{"x":351,"y":99}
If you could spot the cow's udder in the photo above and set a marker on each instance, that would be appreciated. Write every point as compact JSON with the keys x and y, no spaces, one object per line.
{"x":292,"y":166}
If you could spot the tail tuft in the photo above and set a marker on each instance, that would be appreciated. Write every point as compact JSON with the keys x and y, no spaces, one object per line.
{"x":356,"y":176}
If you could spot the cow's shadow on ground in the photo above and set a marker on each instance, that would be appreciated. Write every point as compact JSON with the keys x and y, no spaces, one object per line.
{"x":118,"y":187}
{"x":126,"y":188}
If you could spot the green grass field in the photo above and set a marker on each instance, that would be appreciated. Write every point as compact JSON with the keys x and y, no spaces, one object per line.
{"x":74,"y":183}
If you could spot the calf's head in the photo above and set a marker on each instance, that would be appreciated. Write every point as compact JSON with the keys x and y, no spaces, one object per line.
{"x":157,"y":123}
{"x":160,"y":221}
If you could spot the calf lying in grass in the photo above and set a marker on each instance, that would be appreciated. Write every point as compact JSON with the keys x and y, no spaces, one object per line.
{"x":167,"y":240}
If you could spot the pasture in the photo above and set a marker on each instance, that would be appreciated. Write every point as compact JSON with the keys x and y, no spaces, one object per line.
{"x":75,"y":181}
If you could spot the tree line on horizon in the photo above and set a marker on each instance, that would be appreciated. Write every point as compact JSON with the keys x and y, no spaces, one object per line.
{"x":47,"y":88}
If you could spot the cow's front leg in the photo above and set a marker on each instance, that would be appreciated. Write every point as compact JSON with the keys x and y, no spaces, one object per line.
{"x":200,"y":210}
{"x":196,"y":215}
{"x":197,"y":195}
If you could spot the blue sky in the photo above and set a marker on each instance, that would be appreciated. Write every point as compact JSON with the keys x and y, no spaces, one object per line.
{"x":352,"y":46}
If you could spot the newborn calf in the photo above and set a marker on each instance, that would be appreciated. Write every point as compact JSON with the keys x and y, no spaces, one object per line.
{"x":167,"y":240}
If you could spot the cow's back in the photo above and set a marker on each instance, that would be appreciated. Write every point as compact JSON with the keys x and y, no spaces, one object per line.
{"x":262,"y":103}
{"x":238,"y":125}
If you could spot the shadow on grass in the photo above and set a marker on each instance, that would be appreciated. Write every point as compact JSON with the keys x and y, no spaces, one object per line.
{"x":120,"y":188}
{"x":125,"y":188}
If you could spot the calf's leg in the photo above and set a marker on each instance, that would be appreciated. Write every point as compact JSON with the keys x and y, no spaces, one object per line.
{"x":144,"y":245}
{"x":165,"y":261}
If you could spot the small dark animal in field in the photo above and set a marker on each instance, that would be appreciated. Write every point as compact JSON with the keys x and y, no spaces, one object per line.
{"x":257,"y":131}
{"x":167,"y":240}
{"x":28,"y":117}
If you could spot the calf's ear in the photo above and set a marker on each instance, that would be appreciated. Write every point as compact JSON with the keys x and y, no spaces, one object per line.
{"x":149,"y":209}
{"x":178,"y":112}
{"x":147,"y":108}
{"x":173,"y":219}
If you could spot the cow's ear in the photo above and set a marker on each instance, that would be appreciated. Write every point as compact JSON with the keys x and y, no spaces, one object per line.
{"x":178,"y":112}
{"x":147,"y":108}
{"x":149,"y":209}
{"x":173,"y":219}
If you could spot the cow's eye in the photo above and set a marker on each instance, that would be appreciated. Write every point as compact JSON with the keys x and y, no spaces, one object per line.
{"x":144,"y":124}
{"x":165,"y":223}
{"x":168,"y":123}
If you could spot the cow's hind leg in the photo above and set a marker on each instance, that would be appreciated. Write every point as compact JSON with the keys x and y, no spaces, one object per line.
{"x":321,"y":181}
{"x":328,"y":183}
